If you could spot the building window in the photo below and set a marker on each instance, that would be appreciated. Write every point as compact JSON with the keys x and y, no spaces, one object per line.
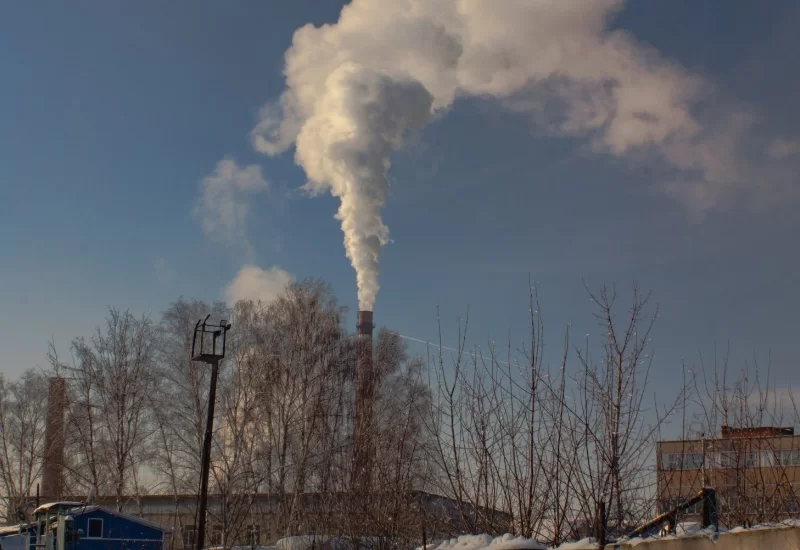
{"x":216,"y":535}
{"x":731,"y":503}
{"x":741,"y":459}
{"x":253,"y":535}
{"x":692,"y":461}
{"x":713,"y":460}
{"x":670,"y":461}
{"x":94,"y":529}
{"x":749,"y":459}
{"x":788,"y":457}
{"x":666,"y":504}
{"x":188,"y":533}
{"x":685,"y":461}
{"x":728,"y":459}
{"x":670,"y":503}
{"x":752,"y":504}
{"x":792,"y":504}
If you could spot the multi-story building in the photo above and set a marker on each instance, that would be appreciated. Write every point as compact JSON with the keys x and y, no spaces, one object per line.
{"x":755,"y":471}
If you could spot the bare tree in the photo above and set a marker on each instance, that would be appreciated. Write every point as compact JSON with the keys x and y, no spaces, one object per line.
{"x":476,"y":420}
{"x":22,"y":423}
{"x":179,"y":403}
{"x":509,"y":435}
{"x":111,"y":382}
{"x":236,"y":468}
{"x":516,"y":443}
{"x":308,"y":388}
{"x":615,"y":427}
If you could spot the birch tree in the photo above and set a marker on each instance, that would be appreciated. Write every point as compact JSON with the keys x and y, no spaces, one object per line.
{"x":22,"y":425}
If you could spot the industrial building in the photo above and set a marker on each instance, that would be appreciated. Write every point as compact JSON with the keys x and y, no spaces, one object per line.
{"x":755,"y":471}
{"x":257,"y":520}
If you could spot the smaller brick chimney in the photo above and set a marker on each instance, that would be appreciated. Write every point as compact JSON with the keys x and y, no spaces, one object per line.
{"x":53,"y":460}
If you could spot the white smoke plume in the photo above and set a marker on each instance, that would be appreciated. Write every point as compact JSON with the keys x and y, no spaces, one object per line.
{"x":222,"y":206}
{"x":353,"y":88}
{"x":345,"y":148}
{"x":257,"y":284}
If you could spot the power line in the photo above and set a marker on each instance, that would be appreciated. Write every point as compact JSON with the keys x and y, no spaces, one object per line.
{"x":427,"y":343}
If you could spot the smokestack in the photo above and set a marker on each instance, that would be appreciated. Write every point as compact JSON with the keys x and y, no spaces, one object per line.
{"x":365,"y":395}
{"x":53,"y":463}
{"x":365,"y":325}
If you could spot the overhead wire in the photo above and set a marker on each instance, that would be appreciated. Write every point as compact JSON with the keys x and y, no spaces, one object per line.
{"x":475,"y":355}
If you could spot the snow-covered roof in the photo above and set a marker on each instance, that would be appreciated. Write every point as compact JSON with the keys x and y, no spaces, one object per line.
{"x":57,"y":504}
{"x":79,"y":508}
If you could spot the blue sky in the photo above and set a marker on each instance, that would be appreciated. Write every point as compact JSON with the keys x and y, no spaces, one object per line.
{"x":114,"y":114}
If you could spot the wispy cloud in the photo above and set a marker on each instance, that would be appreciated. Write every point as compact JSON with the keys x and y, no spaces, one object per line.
{"x":257,"y":284}
{"x":222,"y":206}
{"x":781,"y":148}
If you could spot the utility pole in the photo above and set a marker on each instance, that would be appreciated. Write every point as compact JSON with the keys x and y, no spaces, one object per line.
{"x":212,"y":356}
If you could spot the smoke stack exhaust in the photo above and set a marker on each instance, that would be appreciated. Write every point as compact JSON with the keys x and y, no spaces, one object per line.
{"x":365,"y":396}
{"x":53,"y":463}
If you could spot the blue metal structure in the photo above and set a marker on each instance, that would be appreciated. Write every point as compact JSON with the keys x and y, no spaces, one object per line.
{"x":80,"y":526}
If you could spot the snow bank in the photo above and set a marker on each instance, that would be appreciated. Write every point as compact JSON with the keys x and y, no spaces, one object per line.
{"x":486,"y":542}
{"x":509,"y":542}
{"x":306,"y":542}
{"x":790,"y":522}
{"x":583,"y":544}
{"x":686,"y":528}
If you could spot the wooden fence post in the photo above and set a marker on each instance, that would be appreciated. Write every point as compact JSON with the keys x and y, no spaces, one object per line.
{"x":710,"y":516}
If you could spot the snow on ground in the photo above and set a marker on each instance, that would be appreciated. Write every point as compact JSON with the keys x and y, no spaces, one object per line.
{"x":694,"y":529}
{"x":583,"y":544}
{"x":689,"y":530}
{"x":685,"y":528}
{"x":486,"y":542}
{"x":510,"y":542}
{"x":795,"y":522}
{"x":307,"y":542}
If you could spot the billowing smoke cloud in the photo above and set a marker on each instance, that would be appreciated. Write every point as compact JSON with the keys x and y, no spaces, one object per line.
{"x":257,"y":284}
{"x":355,"y":87}
{"x":345,"y":148}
